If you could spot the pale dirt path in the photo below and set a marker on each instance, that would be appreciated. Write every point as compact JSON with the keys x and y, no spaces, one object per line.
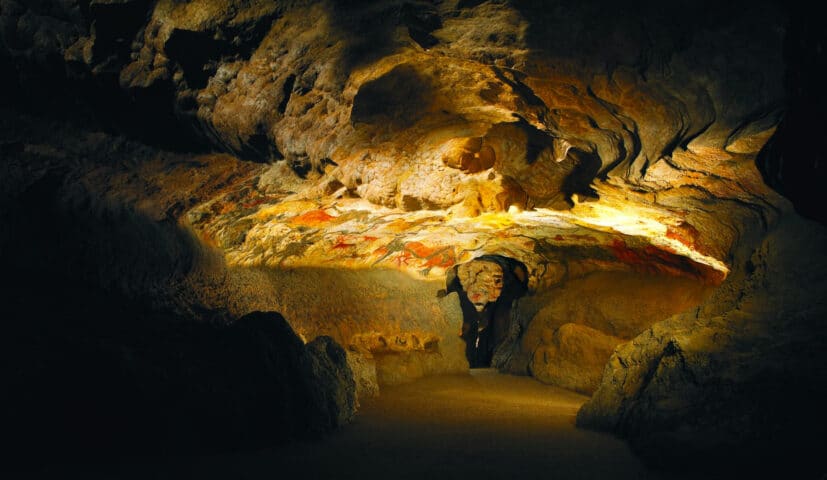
{"x":482,"y":426}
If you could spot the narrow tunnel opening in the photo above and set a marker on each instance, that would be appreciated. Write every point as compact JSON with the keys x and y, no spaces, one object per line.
{"x":487,"y":287}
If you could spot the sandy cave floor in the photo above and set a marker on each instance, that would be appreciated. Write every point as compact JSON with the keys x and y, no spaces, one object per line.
{"x":483,"y":425}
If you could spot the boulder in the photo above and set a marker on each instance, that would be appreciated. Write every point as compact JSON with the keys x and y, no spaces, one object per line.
{"x":170,"y":387}
{"x":334,"y":387}
{"x":573,"y":357}
{"x":737,"y":381}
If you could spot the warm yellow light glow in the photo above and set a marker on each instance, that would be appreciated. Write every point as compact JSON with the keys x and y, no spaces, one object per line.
{"x":495,"y":219}
{"x":355,"y":234}
{"x":635,"y":221}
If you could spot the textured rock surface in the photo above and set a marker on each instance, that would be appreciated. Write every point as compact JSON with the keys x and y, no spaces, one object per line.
{"x":363,"y":367}
{"x":112,"y":345}
{"x":488,"y":288}
{"x":424,"y":154}
{"x":466,"y":108}
{"x":136,"y":248}
{"x":614,"y":306}
{"x":482,"y":282}
{"x":736,"y":378}
{"x":469,"y":107}
{"x":573,"y":357}
{"x":336,"y":390}
{"x":165,"y":386}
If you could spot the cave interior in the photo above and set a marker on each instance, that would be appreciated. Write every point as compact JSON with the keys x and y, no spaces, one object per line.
{"x":237,"y":226}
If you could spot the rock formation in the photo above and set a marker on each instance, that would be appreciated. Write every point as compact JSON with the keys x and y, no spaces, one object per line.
{"x":720,"y":379}
{"x":482,"y":282}
{"x":337,"y":161}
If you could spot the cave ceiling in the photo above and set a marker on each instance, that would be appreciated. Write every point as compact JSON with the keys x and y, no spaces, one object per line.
{"x":416,"y":136}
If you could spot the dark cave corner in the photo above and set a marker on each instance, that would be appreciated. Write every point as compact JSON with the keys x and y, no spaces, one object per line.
{"x":487,"y":288}
{"x":790,"y":163}
{"x":94,"y":370}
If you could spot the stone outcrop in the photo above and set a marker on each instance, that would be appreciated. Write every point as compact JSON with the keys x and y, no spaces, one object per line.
{"x":488,"y":288}
{"x":414,"y":123}
{"x":109,"y":346}
{"x":737,"y":378}
{"x":482,"y":282}
{"x":335,"y":387}
{"x":573,"y":357}
{"x":467,"y":109}
{"x":569,"y":332}
{"x":136,"y":248}
{"x":167,"y":386}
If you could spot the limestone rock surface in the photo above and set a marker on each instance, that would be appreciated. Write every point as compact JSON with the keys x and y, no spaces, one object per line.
{"x":363,"y":367}
{"x":336,"y":387}
{"x":482,"y":281}
{"x":718,"y":380}
{"x":573,"y":357}
{"x":426,"y":106}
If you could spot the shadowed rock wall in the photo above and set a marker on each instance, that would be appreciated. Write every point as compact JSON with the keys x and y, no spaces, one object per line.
{"x":107,"y":349}
{"x":736,"y":380}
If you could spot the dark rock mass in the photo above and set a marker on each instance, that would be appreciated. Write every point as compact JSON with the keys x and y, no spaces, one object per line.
{"x":99,"y":357}
{"x":334,"y":387}
{"x":736,"y":380}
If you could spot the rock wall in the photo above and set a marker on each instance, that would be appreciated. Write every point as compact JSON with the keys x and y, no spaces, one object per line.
{"x":573,"y":357}
{"x":108,"y":348}
{"x":737,"y":380}
{"x":571,"y":331}
{"x":516,"y":88}
{"x":393,"y":321}
{"x":117,"y":212}
{"x":411,"y":136}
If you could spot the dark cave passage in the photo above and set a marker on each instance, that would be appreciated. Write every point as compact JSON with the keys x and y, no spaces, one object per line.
{"x":487,"y":287}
